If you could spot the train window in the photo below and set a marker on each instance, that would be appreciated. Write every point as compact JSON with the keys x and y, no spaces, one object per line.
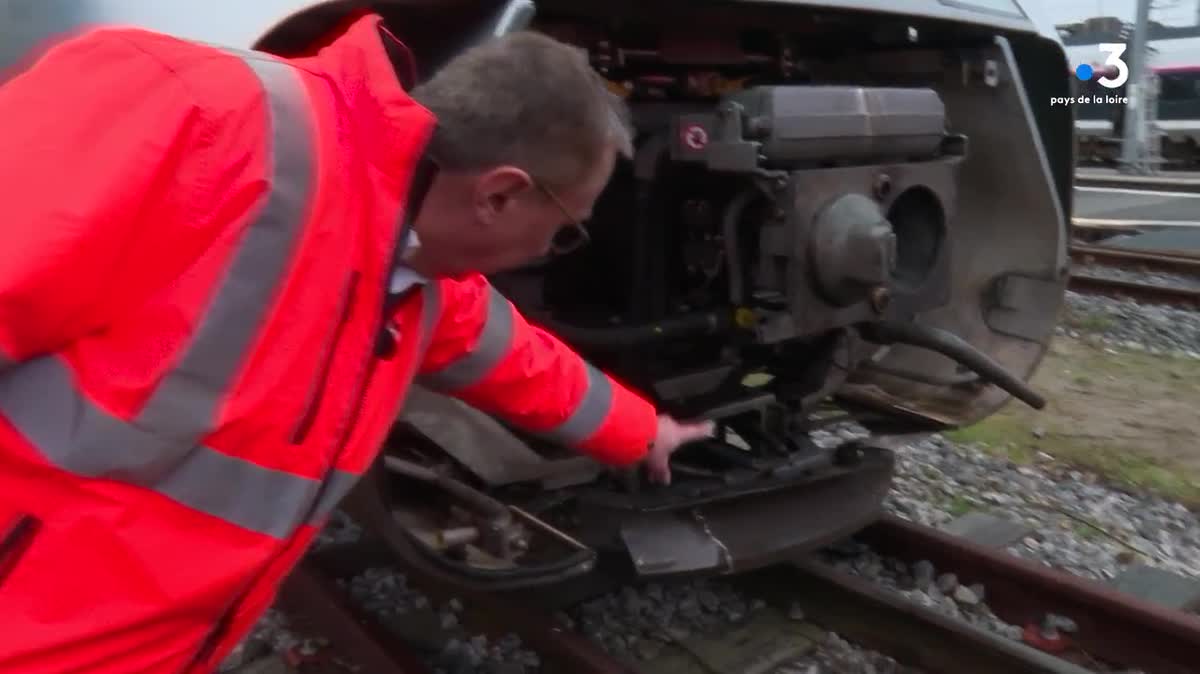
{"x":1178,"y":86}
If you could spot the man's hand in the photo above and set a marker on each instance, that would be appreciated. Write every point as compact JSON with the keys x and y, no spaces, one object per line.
{"x":671,"y":434}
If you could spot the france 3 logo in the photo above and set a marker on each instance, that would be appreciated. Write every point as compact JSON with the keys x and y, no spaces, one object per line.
{"x":1085,"y":71}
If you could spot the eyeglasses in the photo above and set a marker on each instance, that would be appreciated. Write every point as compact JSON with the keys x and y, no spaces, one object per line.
{"x":569,"y":237}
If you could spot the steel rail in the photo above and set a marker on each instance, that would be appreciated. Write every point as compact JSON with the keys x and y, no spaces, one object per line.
{"x":1175,"y":262}
{"x":1187,"y":298}
{"x":1148,"y":183}
{"x":1114,"y":627}
{"x":317,"y":602}
{"x":869,"y":615}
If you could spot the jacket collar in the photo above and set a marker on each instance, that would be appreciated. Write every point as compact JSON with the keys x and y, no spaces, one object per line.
{"x":371,"y":69}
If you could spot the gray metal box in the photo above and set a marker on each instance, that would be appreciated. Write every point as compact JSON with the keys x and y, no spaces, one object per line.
{"x":809,"y":123}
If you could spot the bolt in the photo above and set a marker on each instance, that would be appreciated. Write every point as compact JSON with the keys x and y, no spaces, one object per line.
{"x":991,"y":72}
{"x":881,"y":297}
{"x":883,"y":186}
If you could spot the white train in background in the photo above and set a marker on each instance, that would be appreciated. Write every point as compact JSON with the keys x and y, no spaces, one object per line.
{"x":1175,"y":64}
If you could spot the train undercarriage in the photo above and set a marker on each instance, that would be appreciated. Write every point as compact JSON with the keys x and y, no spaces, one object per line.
{"x":829,"y":215}
{"x":835,"y":210}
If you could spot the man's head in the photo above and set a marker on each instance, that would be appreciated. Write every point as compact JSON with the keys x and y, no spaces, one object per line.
{"x":526,"y":140}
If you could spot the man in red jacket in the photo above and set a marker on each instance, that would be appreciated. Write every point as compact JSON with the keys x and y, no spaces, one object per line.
{"x":220,"y":271}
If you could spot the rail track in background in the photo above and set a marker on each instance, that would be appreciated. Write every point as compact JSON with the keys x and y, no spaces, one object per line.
{"x":1181,"y":263}
{"x":1158,"y":182}
{"x":1112,"y":628}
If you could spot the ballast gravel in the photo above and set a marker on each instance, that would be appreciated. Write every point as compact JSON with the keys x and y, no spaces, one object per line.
{"x":1078,"y":524}
{"x":1135,"y":276}
{"x":435,"y":631}
{"x":1142,"y":327}
{"x":635,"y":624}
{"x":449,"y":648}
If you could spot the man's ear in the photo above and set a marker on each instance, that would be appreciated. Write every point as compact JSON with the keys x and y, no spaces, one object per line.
{"x":496,"y":188}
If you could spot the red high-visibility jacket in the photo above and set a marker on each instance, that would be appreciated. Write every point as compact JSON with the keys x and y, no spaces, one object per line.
{"x":194,"y":250}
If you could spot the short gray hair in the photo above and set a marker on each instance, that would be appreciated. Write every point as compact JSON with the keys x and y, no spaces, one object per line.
{"x":527,"y":100}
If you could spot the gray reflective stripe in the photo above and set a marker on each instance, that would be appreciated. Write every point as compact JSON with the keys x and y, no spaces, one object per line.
{"x":431,"y":310}
{"x":184,"y":403}
{"x":588,"y":415}
{"x":161,"y":450}
{"x":494,"y":342}
{"x":40,"y":400}
{"x":337,"y":484}
{"x":261,"y":499}
{"x":5,"y":362}
{"x":404,"y":278}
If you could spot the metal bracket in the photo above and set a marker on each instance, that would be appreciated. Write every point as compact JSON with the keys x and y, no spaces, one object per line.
{"x":1015,"y":307}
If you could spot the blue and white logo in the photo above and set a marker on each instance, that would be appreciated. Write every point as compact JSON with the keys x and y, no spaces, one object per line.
{"x":1114,"y":49}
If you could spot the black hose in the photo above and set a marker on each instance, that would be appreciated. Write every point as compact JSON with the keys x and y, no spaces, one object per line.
{"x":952,"y":346}
{"x":697,"y":324}
{"x":646,"y":292}
{"x":733,"y":251}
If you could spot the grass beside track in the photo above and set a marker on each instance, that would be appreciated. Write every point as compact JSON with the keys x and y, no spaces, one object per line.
{"x":1129,"y":416}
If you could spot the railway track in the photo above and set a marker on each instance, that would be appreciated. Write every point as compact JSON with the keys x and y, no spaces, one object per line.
{"x":1147,"y":293}
{"x":1112,"y":631}
{"x":1160,"y":182}
{"x":1176,"y":263}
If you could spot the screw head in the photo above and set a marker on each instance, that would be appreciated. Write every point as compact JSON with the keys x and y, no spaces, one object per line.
{"x":881,"y":297}
{"x":883,"y":186}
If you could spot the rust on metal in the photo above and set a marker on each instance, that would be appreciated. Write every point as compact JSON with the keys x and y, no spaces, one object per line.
{"x":313,"y":597}
{"x":1151,"y":294}
{"x":1112,"y":626}
{"x":496,"y":614}
{"x":871,"y":616}
{"x":1177,"y":262}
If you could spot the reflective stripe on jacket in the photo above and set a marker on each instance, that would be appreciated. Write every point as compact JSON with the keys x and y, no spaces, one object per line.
{"x":192,"y":272}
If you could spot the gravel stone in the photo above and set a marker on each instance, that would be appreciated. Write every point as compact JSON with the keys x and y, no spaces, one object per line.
{"x":966,"y":596}
{"x":272,"y":635}
{"x":835,"y":655}
{"x":947,"y":583}
{"x":1153,"y":278}
{"x":1080,"y":525}
{"x":341,"y":529}
{"x":1134,"y":326}
{"x":635,"y":624}
{"x":945,"y":596}
{"x":923,"y":574}
{"x":386,"y":593}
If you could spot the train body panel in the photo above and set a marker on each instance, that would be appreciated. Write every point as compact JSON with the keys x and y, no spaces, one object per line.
{"x":875,"y":223}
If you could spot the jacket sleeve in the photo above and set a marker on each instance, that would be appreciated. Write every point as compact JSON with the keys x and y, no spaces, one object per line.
{"x":93,"y":132}
{"x":486,"y":354}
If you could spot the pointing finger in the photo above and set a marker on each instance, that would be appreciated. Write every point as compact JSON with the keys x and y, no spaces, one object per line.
{"x":701,"y":430}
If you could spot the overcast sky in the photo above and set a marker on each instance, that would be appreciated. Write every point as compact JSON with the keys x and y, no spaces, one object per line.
{"x":1173,"y":12}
